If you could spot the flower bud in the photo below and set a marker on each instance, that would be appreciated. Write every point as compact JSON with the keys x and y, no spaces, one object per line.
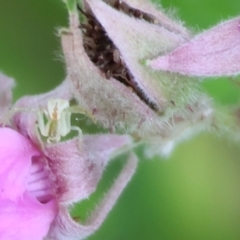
{"x":105,"y":54}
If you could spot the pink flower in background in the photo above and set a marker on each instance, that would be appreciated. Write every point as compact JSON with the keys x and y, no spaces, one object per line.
{"x":40,"y":182}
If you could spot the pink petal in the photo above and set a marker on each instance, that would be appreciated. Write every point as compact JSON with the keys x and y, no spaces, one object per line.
{"x":65,"y":228}
{"x":215,"y":52}
{"x":78,"y":166}
{"x":15,"y":160}
{"x":22,"y":216}
{"x":26,"y":218}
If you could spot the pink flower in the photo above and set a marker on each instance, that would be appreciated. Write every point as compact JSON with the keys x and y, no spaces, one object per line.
{"x":215,"y":52}
{"x":39,"y":182}
{"x":28,"y":204}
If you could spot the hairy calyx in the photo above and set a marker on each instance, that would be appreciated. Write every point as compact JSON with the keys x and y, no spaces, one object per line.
{"x":104,"y":54}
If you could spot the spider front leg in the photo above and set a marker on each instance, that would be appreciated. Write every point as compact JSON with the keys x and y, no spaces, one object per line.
{"x":44,"y":129}
{"x":66,"y":127}
{"x":81,"y":110}
{"x":6,"y":119}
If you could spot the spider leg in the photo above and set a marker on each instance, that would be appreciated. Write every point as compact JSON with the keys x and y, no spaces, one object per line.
{"x":79,"y":130}
{"x":65,"y":123}
{"x":44,"y":129}
{"x":39,"y":138}
{"x":6,"y":119}
{"x":81,"y":110}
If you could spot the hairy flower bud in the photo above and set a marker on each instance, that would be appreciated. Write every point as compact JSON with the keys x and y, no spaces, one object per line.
{"x":105,"y":55}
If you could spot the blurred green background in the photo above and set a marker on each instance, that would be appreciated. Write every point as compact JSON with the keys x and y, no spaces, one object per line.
{"x":195,"y":194}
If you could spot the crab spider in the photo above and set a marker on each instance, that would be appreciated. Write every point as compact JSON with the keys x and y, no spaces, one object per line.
{"x":58,"y":114}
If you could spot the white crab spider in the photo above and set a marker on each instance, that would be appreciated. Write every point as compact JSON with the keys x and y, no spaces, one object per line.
{"x":58,"y":114}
